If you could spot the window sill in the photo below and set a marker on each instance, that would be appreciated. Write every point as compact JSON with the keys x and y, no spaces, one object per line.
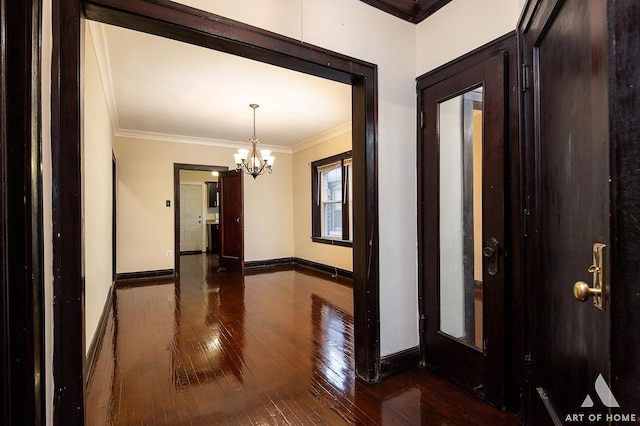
{"x":333,"y":242}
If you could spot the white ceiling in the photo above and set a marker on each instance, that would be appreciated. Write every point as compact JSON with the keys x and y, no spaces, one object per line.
{"x":163,"y":89}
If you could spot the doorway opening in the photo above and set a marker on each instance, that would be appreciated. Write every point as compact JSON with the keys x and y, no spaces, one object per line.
{"x":202,"y":176}
{"x":201,"y":28}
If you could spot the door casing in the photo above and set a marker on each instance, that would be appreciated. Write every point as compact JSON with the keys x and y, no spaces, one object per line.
{"x":183,"y":23}
{"x":176,"y":204}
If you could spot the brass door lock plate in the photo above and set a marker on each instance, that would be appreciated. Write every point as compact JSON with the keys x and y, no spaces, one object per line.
{"x":598,"y":293}
{"x":597,"y":270}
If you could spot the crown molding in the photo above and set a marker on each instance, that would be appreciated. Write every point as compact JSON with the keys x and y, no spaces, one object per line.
{"x":322,"y":137}
{"x":101,"y":47}
{"x":194,"y":140}
{"x":414,"y":11}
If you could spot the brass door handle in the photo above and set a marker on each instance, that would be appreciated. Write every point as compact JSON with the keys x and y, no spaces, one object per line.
{"x":598,"y":292}
{"x":582,"y":291}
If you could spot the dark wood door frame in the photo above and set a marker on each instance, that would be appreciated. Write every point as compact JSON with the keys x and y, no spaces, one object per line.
{"x":22,"y":370}
{"x":176,"y":205}
{"x":167,"y":19}
{"x":114,"y":212}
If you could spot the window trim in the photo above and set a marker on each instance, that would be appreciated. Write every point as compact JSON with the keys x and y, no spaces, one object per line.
{"x":316,"y":212}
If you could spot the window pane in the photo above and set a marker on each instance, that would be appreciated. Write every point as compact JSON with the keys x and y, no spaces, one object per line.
{"x":331,"y":184}
{"x":332,"y":207}
{"x":332,"y":220}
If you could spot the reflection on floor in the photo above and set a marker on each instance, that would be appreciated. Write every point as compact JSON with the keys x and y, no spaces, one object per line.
{"x":273,"y":348}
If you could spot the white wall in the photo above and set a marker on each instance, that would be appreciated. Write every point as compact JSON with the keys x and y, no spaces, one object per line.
{"x":145,"y":226}
{"x":462,"y":26}
{"x":96,"y":192}
{"x":304,"y":247}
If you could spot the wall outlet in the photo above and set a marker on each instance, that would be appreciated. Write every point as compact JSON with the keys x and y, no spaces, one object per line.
{"x":169,"y":253}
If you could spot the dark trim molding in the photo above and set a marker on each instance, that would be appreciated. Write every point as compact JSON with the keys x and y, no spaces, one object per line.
{"x":624,"y":121}
{"x":123,"y":276}
{"x":332,"y":242}
{"x":254,"y":264}
{"x":455,"y":66}
{"x":96,"y":342}
{"x":22,"y":369}
{"x":68,"y":285}
{"x":399,"y":361}
{"x":168,"y":19}
{"x":414,"y":11}
{"x":324,"y":268}
{"x":294,"y":261}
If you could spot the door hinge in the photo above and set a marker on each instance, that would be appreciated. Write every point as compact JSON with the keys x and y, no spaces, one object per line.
{"x":525,"y":77}
{"x":422,"y":119}
{"x":526,"y":216}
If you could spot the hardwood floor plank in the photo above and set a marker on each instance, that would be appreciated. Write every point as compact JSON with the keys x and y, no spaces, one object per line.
{"x":267,"y":349}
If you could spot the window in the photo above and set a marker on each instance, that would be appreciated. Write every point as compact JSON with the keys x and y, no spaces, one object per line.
{"x":332,"y":200}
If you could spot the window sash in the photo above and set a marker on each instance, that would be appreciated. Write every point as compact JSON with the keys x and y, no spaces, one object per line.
{"x":340,"y":226}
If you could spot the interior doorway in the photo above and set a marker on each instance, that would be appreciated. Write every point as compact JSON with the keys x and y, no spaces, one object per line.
{"x":209,"y":216}
{"x":197,"y":27}
{"x":191,"y":218}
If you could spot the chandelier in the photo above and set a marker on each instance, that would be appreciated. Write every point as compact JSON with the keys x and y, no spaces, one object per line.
{"x":254,"y":162}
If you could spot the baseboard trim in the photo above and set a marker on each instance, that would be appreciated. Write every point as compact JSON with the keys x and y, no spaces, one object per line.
{"x":98,"y":336}
{"x":253,"y":264}
{"x":269,"y":263}
{"x":140,"y":275}
{"x":325,"y":268}
{"x":399,"y":362}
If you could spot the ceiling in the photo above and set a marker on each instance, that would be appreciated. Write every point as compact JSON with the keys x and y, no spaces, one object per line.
{"x":410,"y":10}
{"x":161,"y":89}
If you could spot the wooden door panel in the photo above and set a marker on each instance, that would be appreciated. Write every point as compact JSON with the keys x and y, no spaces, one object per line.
{"x":231,"y":221}
{"x":191,"y":223}
{"x":474,"y":357}
{"x":570,"y":105}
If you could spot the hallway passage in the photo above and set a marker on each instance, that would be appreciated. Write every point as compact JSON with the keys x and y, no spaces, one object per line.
{"x":265,"y":349}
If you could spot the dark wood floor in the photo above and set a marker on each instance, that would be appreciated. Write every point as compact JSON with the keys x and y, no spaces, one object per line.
{"x":265,"y":349}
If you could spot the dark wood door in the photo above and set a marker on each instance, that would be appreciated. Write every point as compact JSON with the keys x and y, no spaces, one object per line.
{"x":231,"y":221}
{"x":462,"y":226}
{"x":565,"y":49}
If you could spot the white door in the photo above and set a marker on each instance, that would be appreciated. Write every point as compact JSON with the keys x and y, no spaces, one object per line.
{"x":191,"y":223}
